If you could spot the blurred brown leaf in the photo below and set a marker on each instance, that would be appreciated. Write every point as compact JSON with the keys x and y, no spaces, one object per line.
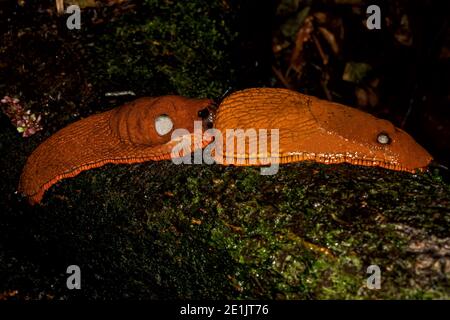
{"x":403,"y":34}
{"x":303,"y":35}
{"x":366,"y":97}
{"x":330,"y":38}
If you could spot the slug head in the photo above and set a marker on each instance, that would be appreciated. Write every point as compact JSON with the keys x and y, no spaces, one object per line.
{"x":369,"y":138}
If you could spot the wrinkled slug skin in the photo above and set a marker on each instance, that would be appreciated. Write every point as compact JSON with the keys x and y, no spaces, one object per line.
{"x":125,"y":134}
{"x":314,"y":129}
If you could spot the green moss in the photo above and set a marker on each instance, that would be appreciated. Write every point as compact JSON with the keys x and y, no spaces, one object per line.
{"x":310,"y":232}
{"x":167,"y":47}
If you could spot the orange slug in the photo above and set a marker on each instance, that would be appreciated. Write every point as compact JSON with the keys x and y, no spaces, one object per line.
{"x":126,"y":134}
{"x":309,"y":129}
{"x":318,"y":130}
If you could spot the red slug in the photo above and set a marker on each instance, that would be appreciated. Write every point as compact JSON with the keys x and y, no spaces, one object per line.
{"x":308,"y":129}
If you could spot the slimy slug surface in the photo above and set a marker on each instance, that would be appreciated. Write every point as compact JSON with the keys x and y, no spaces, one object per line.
{"x":140,"y":131}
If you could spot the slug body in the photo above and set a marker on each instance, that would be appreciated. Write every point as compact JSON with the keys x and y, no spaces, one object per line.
{"x":308,"y":129}
{"x":318,"y":130}
{"x":127,"y":134}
